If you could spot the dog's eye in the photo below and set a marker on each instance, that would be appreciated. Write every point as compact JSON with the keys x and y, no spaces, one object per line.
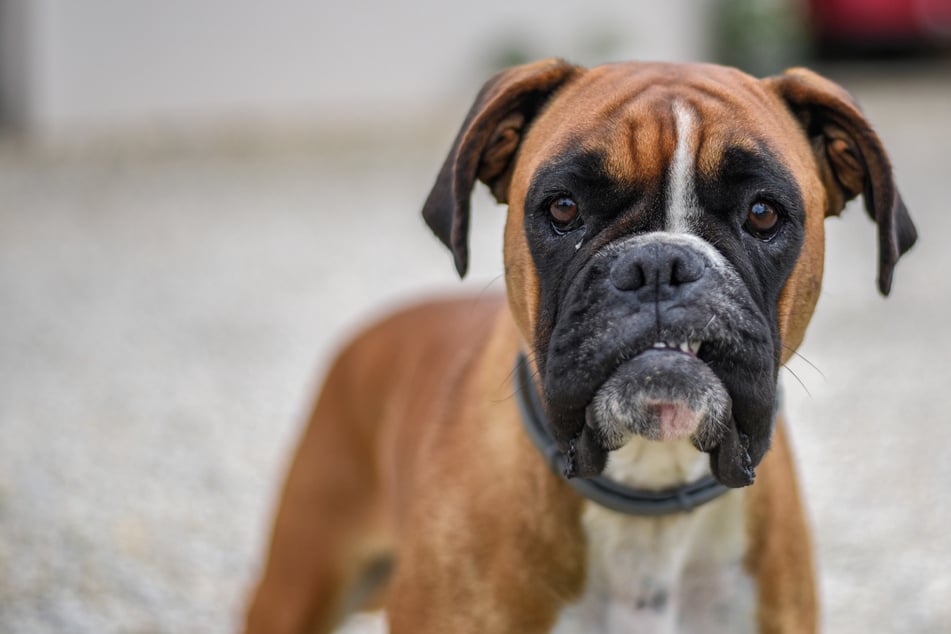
{"x":564,"y":214}
{"x":762,"y":221}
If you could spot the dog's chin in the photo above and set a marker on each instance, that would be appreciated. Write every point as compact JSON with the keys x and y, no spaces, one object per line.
{"x":660,"y":395}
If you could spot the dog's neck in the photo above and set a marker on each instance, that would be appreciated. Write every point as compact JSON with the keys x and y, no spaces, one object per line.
{"x":659,"y":574}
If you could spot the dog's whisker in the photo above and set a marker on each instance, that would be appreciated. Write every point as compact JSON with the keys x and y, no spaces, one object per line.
{"x":488,"y":285}
{"x":798,"y":379}
{"x":805,"y":360}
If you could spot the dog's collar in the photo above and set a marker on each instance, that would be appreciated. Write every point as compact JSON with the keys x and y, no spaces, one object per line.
{"x":600,"y":489}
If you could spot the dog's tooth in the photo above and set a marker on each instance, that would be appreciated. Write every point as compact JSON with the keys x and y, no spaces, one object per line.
{"x":659,"y":344}
{"x":694,"y":347}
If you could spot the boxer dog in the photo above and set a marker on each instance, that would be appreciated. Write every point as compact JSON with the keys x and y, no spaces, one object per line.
{"x":603,"y":450}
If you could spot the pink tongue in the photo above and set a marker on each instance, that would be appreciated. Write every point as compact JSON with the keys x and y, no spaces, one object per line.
{"x":676,"y":421}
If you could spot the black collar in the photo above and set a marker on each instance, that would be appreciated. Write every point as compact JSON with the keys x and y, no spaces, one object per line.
{"x":600,"y":489}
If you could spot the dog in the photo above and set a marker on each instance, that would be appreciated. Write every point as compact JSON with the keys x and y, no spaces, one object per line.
{"x":603,"y":449}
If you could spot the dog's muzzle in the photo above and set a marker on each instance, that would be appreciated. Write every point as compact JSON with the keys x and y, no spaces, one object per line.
{"x":662,"y":340}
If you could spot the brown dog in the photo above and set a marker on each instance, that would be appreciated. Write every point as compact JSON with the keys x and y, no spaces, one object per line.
{"x":663,"y":256}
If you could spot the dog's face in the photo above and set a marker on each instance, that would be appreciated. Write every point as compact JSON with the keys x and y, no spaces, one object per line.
{"x":664,"y":244}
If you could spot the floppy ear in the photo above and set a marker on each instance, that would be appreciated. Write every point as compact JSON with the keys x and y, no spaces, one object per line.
{"x":486,"y":145}
{"x":851,"y":160}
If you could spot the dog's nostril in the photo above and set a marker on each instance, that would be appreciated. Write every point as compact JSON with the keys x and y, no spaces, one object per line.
{"x":684,"y":270}
{"x":628,"y":277}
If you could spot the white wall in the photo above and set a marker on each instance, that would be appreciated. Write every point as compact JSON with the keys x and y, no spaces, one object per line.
{"x":95,"y":64}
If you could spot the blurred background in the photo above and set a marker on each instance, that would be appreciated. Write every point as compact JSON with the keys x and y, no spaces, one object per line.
{"x":200,"y":199}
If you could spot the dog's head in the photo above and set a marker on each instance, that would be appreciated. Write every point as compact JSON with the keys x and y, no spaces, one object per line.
{"x":664,"y":240}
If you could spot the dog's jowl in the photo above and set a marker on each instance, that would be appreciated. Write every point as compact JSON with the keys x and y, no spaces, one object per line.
{"x":602,"y":450}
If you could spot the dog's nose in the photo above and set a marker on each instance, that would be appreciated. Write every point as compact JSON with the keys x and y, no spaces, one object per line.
{"x":657,"y":268}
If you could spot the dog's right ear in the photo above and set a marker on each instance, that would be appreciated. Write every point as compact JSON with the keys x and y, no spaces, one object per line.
{"x":486,"y":145}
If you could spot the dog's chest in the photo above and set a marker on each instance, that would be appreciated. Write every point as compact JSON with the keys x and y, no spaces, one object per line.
{"x":682,"y":573}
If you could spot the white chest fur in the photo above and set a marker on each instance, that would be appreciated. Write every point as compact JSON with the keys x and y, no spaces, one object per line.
{"x":681,"y":573}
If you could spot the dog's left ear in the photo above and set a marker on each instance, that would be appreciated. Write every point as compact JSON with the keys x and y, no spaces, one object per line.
{"x":851,"y":160}
{"x":486,"y":145}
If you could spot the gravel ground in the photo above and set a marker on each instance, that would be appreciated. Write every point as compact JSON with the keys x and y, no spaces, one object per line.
{"x":165,"y":317}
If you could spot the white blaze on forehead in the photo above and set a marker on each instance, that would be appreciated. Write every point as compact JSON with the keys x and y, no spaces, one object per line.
{"x":682,"y":205}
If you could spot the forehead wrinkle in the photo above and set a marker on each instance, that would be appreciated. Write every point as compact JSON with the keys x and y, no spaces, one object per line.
{"x":611,"y":107}
{"x":714,"y":141}
{"x":723,"y":118}
{"x":727,"y":112}
{"x":639,"y":141}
